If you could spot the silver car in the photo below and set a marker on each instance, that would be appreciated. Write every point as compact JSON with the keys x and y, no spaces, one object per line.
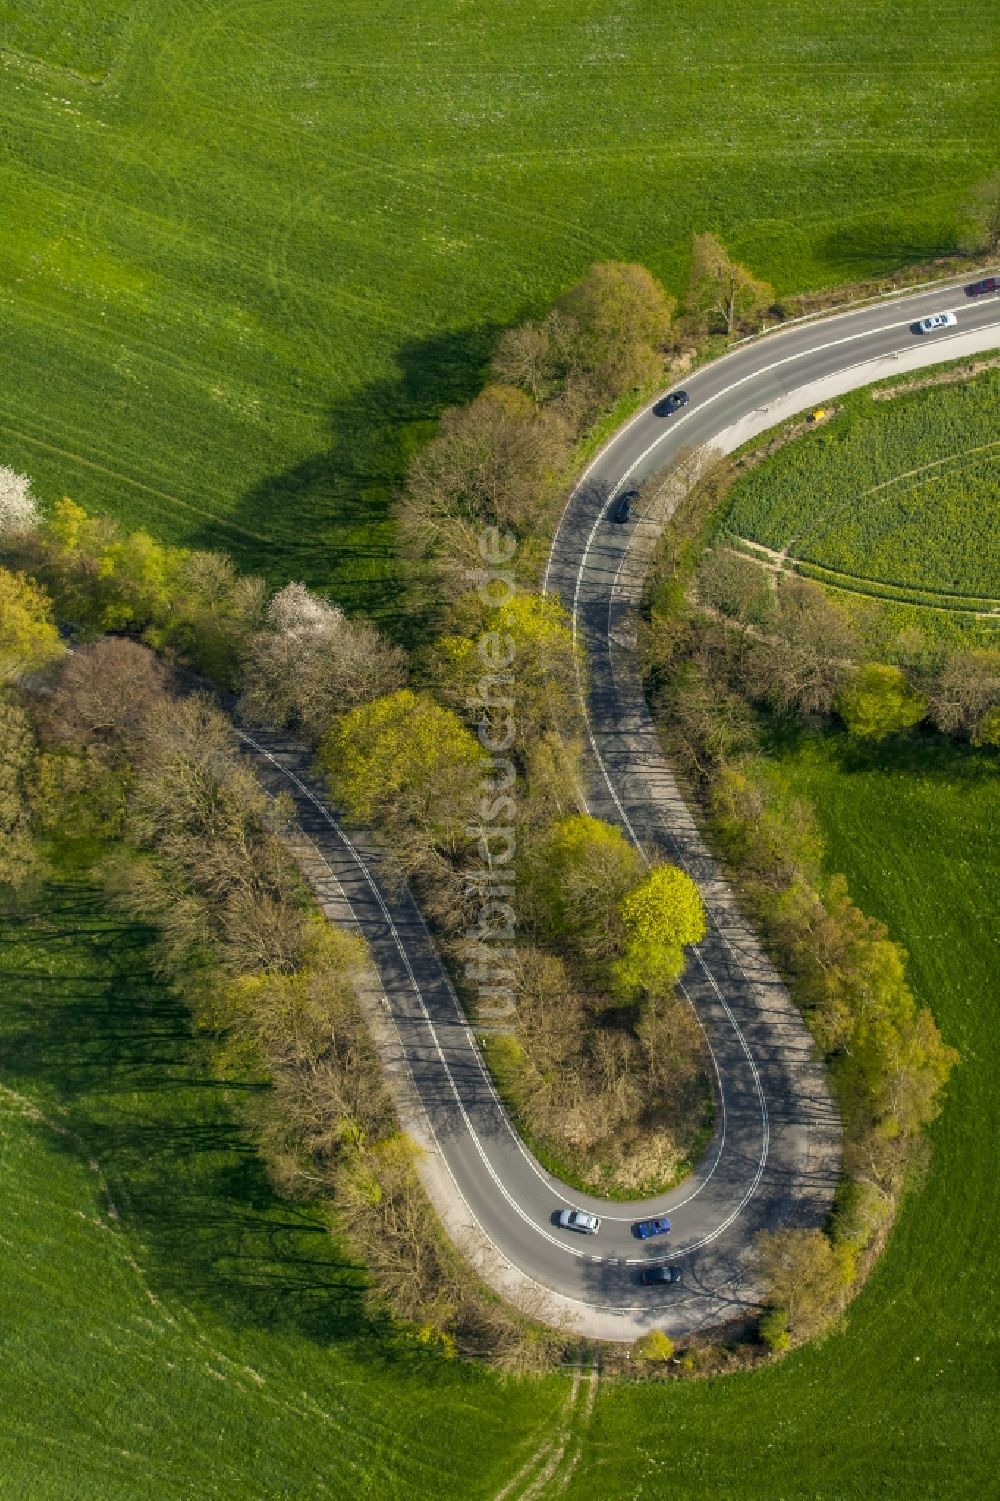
{"x":937,"y":320}
{"x":575,"y":1219}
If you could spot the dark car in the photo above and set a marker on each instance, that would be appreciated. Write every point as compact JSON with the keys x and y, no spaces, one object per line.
{"x":647,"y":1228}
{"x":652,"y":1275}
{"x":988,"y":284}
{"x":671,"y":403}
{"x":623,"y":505}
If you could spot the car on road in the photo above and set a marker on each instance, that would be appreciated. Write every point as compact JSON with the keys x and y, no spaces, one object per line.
{"x":623,"y":506}
{"x":936,"y":320}
{"x":671,"y":404}
{"x":652,"y":1276}
{"x":576,"y":1219}
{"x":988,"y":284}
{"x":645,"y":1229}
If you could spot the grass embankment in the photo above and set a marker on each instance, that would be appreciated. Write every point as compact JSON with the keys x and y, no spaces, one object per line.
{"x":250,"y":252}
{"x":893,"y":500}
{"x":902,"y":1400}
{"x":171,"y":1329}
{"x":621,"y":1181}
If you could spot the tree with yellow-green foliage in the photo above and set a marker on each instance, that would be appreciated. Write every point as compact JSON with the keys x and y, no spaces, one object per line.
{"x":806,"y":1278}
{"x":662,"y":915}
{"x":29,"y":640}
{"x":576,"y":879}
{"x":878,"y":701}
{"x":621,"y":318}
{"x":523,"y":652}
{"x":102,"y":579}
{"x":407,"y":764}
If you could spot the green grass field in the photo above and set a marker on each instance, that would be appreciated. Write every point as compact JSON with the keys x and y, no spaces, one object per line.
{"x":893,"y":499}
{"x":902,"y":1402}
{"x":169,"y":1328}
{"x":249,"y":251}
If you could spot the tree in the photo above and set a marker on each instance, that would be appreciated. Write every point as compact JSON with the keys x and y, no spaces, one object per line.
{"x":980,"y":228}
{"x":18,"y":508}
{"x":77,"y":796}
{"x":104,"y":693}
{"x":19,"y":861}
{"x":660,"y":916}
{"x":496,"y":462}
{"x":737,"y":586}
{"x":620,"y":316}
{"x":722,"y":295}
{"x":29,"y":640}
{"x":987,"y":731}
{"x":209,"y":614}
{"x":805,"y":1276}
{"x":656,"y":1346}
{"x":522,"y":653}
{"x":312,"y":664}
{"x":529,"y":356}
{"x":578,"y":875}
{"x":878,"y":701}
{"x":774,"y":1330}
{"x":964,"y":689}
{"x":407,"y":763}
{"x":802,"y":662}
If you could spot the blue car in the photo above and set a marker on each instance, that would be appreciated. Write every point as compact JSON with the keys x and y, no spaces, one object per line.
{"x":646,"y":1228}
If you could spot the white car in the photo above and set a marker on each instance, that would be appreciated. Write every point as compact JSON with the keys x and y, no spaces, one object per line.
{"x":936,"y":320}
{"x":575,"y":1219}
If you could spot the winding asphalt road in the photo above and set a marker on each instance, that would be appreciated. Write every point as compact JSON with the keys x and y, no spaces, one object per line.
{"x":775,"y":1155}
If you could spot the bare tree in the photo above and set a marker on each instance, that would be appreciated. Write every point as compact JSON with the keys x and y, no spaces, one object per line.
{"x":967,"y":685}
{"x":722,"y":295}
{"x":528,"y":357}
{"x":980,"y":232}
{"x":495,"y":461}
{"x":102,"y":698}
{"x":803,"y":664}
{"x":18,"y":857}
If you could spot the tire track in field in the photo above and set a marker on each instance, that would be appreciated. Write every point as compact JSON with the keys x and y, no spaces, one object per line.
{"x":124,"y":479}
{"x":547,"y":1471}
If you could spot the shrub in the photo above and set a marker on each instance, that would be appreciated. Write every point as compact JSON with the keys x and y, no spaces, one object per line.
{"x":654,"y":1346}
{"x":774,"y":1330}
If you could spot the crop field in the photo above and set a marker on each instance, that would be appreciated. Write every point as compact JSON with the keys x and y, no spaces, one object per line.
{"x":895,"y":499}
{"x":170,"y":1329}
{"x":248,"y":252}
{"x":902,"y":1401}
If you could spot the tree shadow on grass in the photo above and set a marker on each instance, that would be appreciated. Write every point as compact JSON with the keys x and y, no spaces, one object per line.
{"x":328,"y":519}
{"x":107,"y":1052}
{"x":867,"y":250}
{"x":922,"y":753}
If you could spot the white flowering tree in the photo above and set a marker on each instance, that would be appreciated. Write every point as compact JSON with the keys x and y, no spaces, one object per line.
{"x":312,"y":663}
{"x":18,"y":508}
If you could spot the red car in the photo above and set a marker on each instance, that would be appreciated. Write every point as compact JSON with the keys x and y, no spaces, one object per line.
{"x":988,"y":284}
